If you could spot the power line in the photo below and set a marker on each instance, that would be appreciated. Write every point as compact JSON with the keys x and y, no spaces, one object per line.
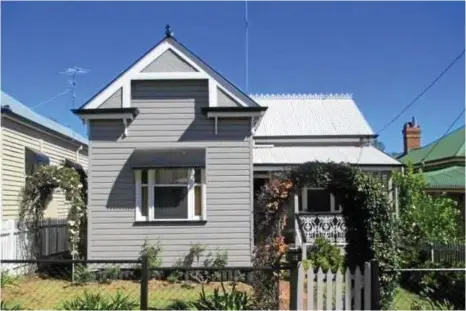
{"x":422,"y":93}
{"x":444,"y":134}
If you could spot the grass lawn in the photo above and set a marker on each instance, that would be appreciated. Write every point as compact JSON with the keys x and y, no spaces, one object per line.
{"x":404,"y":299}
{"x":47,"y":294}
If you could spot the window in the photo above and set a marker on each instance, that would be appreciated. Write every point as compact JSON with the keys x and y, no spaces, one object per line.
{"x":317,"y":200}
{"x":170,"y":194}
{"x":33,"y":160}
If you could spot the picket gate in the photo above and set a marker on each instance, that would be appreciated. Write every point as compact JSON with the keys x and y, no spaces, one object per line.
{"x":340,"y":290}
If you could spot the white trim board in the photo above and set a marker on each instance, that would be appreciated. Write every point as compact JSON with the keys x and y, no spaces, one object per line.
{"x":135,"y":73}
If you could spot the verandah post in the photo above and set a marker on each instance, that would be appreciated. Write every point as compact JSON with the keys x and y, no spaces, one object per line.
{"x":144,"y":282}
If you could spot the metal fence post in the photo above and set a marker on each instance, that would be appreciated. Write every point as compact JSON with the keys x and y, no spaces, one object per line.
{"x":294,"y":257}
{"x":375,"y":290}
{"x":432,"y":252}
{"x":144,"y":283}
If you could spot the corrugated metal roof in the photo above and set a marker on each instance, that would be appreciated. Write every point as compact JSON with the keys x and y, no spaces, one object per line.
{"x":367,"y":155}
{"x":22,"y":110}
{"x":448,"y":178}
{"x":311,"y":115}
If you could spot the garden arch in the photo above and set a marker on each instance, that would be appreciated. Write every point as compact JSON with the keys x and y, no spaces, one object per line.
{"x":36,"y":195}
{"x":367,"y":212}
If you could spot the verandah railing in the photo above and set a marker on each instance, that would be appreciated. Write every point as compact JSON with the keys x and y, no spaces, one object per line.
{"x":326,"y":225}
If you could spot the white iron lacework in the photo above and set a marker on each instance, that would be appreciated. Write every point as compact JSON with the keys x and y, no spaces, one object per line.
{"x":303,"y":96}
{"x":331,"y":227}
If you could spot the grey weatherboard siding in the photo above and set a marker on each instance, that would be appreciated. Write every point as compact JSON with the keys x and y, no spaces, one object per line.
{"x":114,"y":101}
{"x":169,"y":62}
{"x":224,"y":100}
{"x":170,"y":116}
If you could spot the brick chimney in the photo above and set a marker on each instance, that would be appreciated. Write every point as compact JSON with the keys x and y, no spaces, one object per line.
{"x":411,"y":135}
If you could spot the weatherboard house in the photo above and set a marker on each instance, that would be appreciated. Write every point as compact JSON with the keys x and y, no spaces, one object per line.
{"x":176,"y":152}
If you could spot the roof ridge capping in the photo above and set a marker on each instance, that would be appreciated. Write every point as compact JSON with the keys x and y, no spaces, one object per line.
{"x":303,"y":96}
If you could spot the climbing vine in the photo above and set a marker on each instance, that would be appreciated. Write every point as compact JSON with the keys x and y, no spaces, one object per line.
{"x":36,"y":195}
{"x":367,"y":212}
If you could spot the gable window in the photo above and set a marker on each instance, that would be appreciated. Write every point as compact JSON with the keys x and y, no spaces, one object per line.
{"x":170,"y":194}
{"x":319,"y":200}
{"x":33,"y":160}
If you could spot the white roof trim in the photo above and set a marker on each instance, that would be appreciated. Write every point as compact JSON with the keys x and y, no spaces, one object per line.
{"x":134,"y":72}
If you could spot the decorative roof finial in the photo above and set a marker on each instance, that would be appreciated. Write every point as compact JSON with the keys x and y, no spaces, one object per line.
{"x":168,"y":31}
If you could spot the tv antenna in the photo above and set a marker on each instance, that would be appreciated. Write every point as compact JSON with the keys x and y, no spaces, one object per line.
{"x":73,"y":72}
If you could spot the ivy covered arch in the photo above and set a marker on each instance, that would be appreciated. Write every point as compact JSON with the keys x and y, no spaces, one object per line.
{"x":367,"y":212}
{"x":36,"y":195}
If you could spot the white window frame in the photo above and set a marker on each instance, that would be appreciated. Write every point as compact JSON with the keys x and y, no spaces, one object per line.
{"x":333,"y":208}
{"x":151,"y":185}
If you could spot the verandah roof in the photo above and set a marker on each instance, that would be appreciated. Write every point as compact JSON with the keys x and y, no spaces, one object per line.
{"x":368,"y":155}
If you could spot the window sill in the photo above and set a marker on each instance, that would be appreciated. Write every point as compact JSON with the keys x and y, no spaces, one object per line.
{"x":169,"y":222}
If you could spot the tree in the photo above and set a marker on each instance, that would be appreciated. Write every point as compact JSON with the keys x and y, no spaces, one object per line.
{"x":424,"y":218}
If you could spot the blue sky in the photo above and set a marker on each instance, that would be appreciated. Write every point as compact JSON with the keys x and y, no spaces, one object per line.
{"x":384,"y":53}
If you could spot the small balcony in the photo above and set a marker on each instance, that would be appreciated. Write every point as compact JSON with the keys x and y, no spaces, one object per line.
{"x":320,"y":224}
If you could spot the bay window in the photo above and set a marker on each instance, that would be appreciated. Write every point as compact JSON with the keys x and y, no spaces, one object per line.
{"x":170,"y":194}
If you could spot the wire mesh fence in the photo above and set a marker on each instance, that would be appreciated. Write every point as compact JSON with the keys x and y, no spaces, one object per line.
{"x":64,"y":284}
{"x":125,"y":285}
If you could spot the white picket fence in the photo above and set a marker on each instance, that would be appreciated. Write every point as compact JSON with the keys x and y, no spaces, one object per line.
{"x":334,"y":291}
{"x":14,"y":241}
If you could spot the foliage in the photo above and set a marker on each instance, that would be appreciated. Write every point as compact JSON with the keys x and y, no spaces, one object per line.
{"x":180,"y":305}
{"x":234,"y":300}
{"x":217,"y":260}
{"x":152,"y":251}
{"x":424,"y":217}
{"x":443,"y":287}
{"x":36,"y":195}
{"x":108,"y":274}
{"x":7,"y":280}
{"x":5,"y":305}
{"x":325,"y":255}
{"x":367,"y":213}
{"x":83,"y":275}
{"x":90,"y":301}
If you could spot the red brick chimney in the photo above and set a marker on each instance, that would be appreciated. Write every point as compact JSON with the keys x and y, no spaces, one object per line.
{"x":411,"y":135}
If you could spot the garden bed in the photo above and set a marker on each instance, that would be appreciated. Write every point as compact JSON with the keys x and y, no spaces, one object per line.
{"x":47,"y":294}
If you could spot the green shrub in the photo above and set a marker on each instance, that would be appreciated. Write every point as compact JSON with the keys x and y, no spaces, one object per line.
{"x":7,"y":280}
{"x":217,"y":260}
{"x":97,"y":301}
{"x":4,"y":305}
{"x":82,"y":275}
{"x":180,"y":305}
{"x":109,"y":274}
{"x":325,"y":255}
{"x":442,"y":287}
{"x":234,"y":300}
{"x":152,"y":251}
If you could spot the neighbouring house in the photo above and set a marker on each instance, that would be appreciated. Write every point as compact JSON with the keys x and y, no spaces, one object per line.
{"x":29,"y":140}
{"x":442,"y":161}
{"x":177,"y":151}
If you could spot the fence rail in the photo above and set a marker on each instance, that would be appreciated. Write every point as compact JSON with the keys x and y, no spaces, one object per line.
{"x":450,"y":252}
{"x":327,"y":290}
{"x":15,"y":241}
